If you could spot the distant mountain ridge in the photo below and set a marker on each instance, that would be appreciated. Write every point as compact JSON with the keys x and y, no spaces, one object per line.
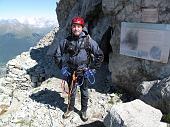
{"x":25,"y":27}
{"x":17,"y":36}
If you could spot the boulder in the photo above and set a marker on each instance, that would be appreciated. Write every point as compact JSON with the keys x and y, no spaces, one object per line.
{"x":158,"y":95}
{"x":133,"y":114}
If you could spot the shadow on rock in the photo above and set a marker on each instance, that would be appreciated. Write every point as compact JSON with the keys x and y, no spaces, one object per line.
{"x":94,"y":124}
{"x":50,"y":98}
{"x":103,"y":82}
{"x":45,"y":67}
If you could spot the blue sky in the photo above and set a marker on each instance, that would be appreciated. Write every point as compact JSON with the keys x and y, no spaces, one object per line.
{"x":27,"y":8}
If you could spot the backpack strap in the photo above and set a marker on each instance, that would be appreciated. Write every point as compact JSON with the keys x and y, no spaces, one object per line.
{"x":87,"y":47}
{"x":87,"y":42}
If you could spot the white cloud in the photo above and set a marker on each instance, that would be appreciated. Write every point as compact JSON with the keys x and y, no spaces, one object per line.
{"x":36,"y":21}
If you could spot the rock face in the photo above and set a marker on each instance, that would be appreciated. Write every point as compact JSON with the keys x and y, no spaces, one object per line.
{"x":133,"y":114}
{"x":103,"y":18}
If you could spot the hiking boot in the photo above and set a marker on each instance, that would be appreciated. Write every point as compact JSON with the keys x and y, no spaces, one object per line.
{"x":84,"y":116}
{"x":67,"y":114}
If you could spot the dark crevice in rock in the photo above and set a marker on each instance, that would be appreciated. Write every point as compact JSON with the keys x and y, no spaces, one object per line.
{"x":105,"y":44}
{"x":93,"y":16}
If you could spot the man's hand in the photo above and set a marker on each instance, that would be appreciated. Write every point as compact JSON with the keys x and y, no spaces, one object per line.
{"x":65,"y":72}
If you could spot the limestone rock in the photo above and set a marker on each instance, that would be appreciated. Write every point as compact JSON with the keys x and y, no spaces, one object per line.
{"x":159,"y":95}
{"x":133,"y":114}
{"x":44,"y":106}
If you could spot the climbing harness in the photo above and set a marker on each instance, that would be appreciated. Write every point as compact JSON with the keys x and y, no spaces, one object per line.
{"x":89,"y":75}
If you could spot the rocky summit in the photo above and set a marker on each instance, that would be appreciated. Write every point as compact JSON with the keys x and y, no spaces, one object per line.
{"x":44,"y":106}
{"x":23,"y":105}
{"x":31,"y":92}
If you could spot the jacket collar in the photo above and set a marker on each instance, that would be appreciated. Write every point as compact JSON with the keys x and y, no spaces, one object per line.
{"x":82,"y":35}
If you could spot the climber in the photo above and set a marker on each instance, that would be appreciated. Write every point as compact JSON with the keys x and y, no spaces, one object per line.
{"x":77,"y":57}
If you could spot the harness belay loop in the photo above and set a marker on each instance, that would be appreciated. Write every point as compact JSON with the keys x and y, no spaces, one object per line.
{"x":88,"y":74}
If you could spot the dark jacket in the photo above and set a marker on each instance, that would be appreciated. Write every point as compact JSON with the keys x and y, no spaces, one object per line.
{"x":72,"y":52}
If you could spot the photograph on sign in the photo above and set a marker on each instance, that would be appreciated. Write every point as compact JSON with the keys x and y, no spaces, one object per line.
{"x":146,"y":41}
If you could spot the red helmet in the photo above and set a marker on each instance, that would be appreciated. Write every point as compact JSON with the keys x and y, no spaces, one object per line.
{"x":78,"y":20}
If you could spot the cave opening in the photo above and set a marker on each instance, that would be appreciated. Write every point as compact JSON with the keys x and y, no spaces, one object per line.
{"x":93,"y":17}
{"x":103,"y":77}
{"x":105,"y":44}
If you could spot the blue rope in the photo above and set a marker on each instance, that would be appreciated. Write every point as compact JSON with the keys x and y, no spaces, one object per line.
{"x":91,"y":82}
{"x":89,"y":74}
